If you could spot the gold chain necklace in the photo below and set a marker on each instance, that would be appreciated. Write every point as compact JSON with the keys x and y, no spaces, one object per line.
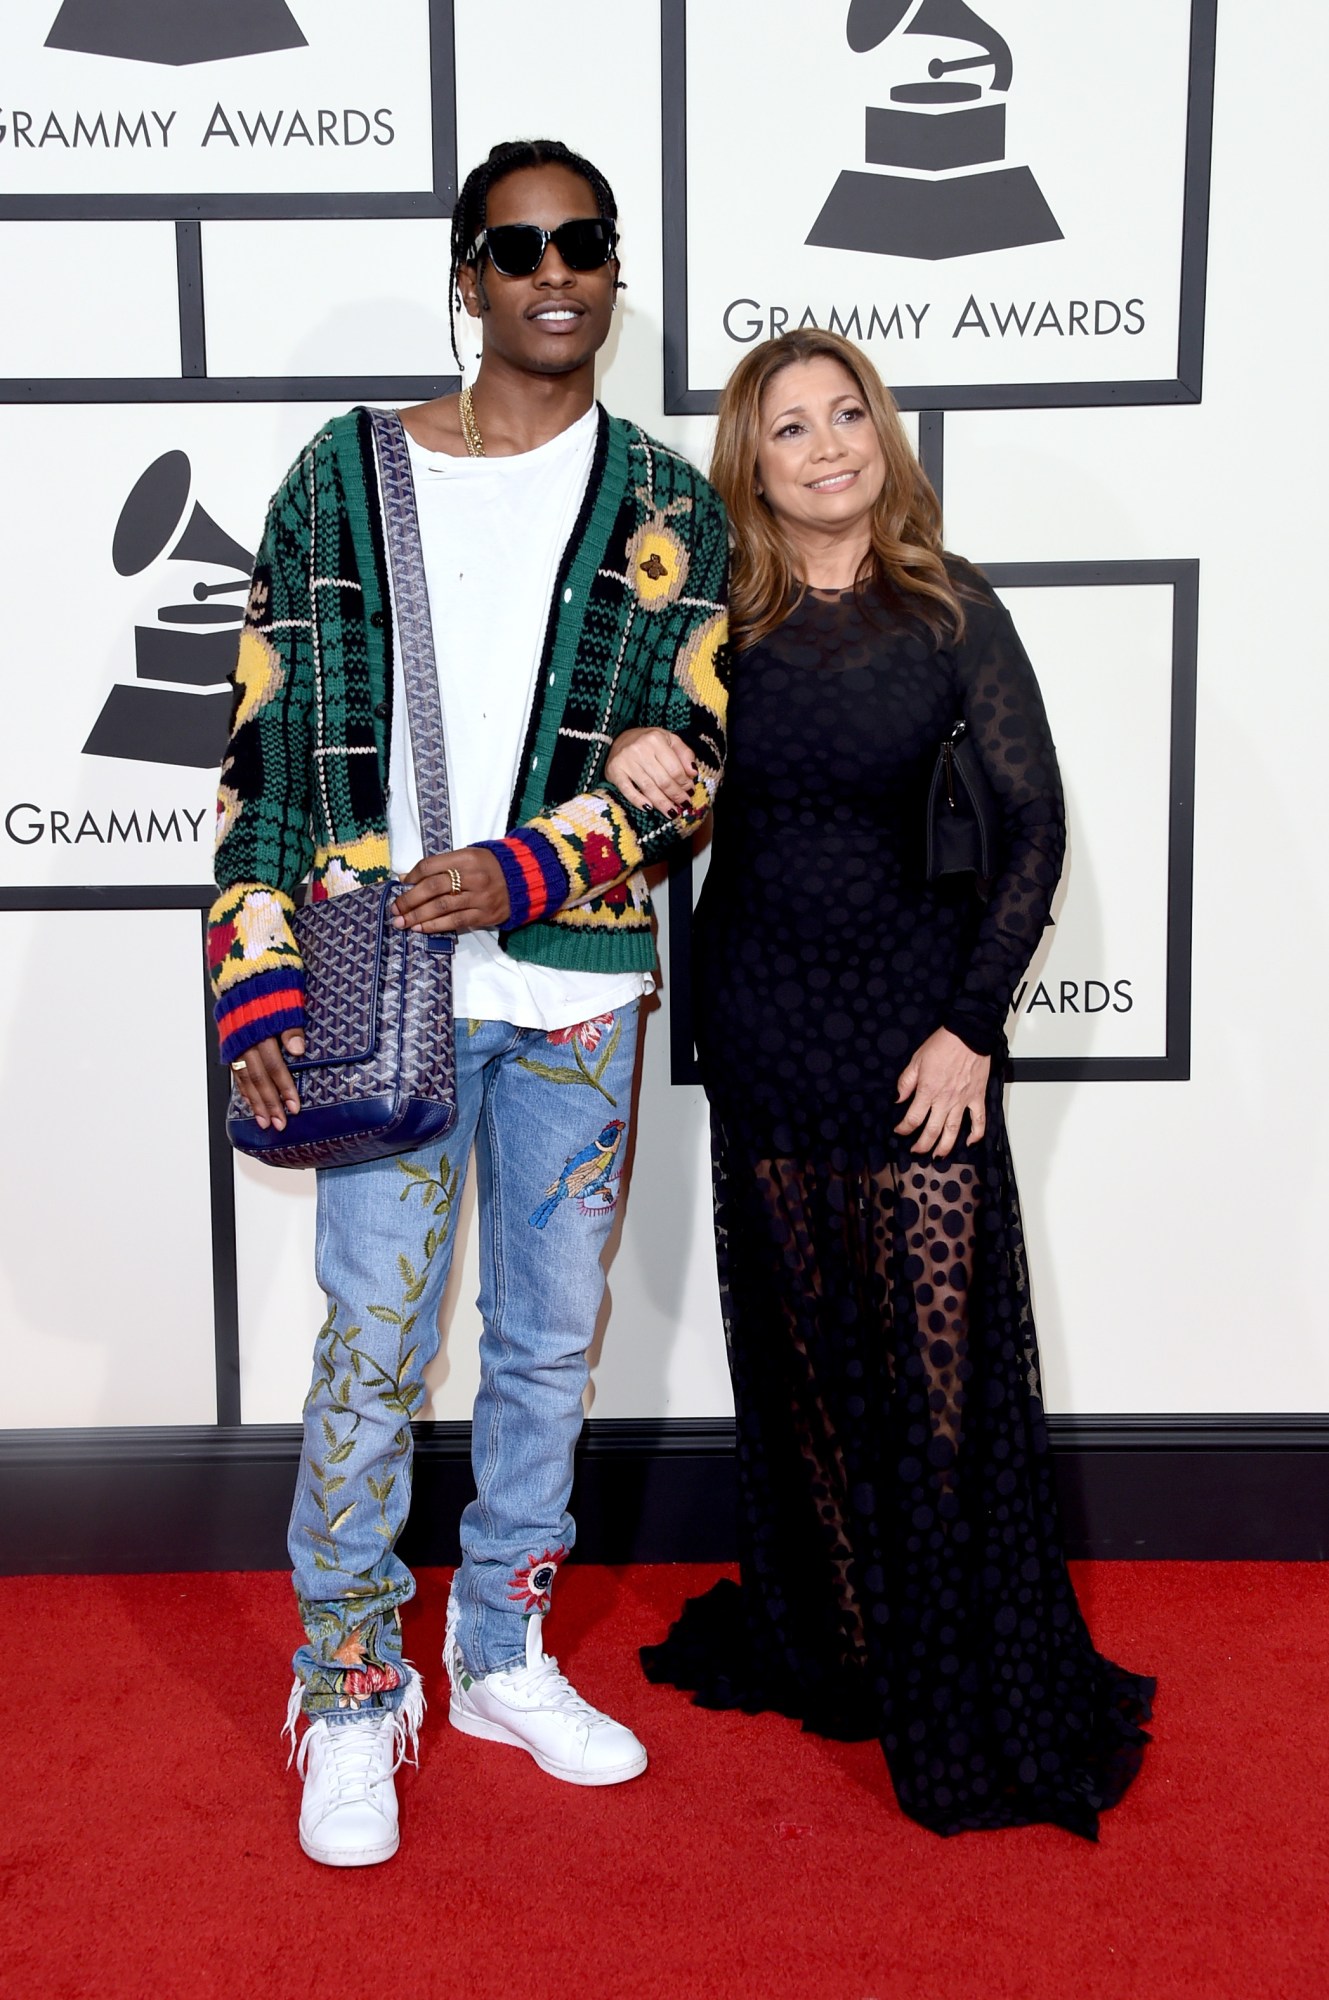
{"x":470,"y":430}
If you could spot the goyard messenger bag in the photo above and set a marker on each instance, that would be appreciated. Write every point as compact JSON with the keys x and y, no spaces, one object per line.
{"x":378,"y":1075}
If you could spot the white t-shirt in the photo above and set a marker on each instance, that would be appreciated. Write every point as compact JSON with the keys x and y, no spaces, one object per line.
{"x":493,"y":532}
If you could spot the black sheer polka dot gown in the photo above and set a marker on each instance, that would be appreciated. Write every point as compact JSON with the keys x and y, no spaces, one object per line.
{"x":902,"y":1573}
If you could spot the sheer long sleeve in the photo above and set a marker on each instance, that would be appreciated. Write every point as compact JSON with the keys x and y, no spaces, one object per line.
{"x":1008,"y":726}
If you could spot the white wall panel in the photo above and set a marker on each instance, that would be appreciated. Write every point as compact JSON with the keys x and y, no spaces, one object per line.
{"x":327,"y":298}
{"x":149,"y":101}
{"x":279,"y":1303}
{"x":941,"y":289}
{"x":1097,"y":986}
{"x":105,"y":1241}
{"x":86,"y":300}
{"x":1174,"y":1242}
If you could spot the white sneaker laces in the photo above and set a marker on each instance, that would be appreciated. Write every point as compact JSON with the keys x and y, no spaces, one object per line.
{"x":354,"y":1753}
{"x":404,"y":1720}
{"x":546,"y":1687}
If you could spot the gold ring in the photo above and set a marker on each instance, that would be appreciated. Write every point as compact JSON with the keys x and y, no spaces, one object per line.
{"x":455,"y":878}
{"x":239,"y":1063}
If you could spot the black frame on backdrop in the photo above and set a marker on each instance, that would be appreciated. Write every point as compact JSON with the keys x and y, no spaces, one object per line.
{"x":681,"y":399}
{"x":189,"y":211}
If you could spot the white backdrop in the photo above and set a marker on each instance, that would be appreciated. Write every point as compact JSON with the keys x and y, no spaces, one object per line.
{"x":1174,"y":1226}
{"x":1095,"y":120}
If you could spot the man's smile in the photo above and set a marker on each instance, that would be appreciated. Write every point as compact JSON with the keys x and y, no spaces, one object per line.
{"x":564,"y":314}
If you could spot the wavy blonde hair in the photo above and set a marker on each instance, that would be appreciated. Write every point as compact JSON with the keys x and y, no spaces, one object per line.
{"x":905,"y":556}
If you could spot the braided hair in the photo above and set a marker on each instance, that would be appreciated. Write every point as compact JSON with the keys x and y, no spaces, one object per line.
{"x":510,"y":157}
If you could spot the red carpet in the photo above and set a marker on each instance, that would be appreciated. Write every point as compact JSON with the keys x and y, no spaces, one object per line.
{"x":149,"y":1826}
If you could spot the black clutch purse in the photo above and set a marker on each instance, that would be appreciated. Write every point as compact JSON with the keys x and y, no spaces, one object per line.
{"x":964,"y":823}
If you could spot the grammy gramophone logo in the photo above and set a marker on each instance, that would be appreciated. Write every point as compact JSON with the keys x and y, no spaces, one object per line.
{"x":177,"y":32}
{"x":930,"y":138}
{"x":177,"y":710}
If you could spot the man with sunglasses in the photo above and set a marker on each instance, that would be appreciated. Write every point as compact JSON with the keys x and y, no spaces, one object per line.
{"x":576,"y":574}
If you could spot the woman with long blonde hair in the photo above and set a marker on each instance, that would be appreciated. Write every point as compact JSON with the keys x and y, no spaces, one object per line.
{"x":902,"y":1574}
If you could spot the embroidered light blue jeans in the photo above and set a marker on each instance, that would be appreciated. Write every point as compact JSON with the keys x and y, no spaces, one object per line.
{"x":548,"y":1117}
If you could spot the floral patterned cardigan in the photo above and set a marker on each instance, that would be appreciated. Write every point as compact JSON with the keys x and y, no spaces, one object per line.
{"x":636,"y":634}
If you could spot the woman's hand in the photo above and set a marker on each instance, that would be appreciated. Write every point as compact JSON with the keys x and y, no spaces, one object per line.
{"x":264,"y":1081}
{"x":652,"y":767}
{"x":461,"y":891}
{"x":944,"y":1080}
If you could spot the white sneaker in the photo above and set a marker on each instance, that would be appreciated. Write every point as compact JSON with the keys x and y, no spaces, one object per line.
{"x":348,"y":1815}
{"x":535,"y":1708}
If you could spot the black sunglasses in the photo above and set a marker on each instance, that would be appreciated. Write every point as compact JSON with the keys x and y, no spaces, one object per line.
{"x":516,"y":249}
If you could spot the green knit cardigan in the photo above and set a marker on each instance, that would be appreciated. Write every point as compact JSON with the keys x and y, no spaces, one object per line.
{"x":637,"y":634}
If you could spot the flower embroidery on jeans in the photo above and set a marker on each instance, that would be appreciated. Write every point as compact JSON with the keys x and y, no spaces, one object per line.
{"x":362,"y":1682}
{"x":588,"y":1033}
{"x":358,"y":1667}
{"x":531,"y":1586}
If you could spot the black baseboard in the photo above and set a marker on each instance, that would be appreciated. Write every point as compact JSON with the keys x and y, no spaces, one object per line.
{"x":210,"y":1498}
{"x":1194,"y":1489}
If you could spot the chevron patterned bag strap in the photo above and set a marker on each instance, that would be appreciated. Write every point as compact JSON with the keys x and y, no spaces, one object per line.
{"x":414,"y":629}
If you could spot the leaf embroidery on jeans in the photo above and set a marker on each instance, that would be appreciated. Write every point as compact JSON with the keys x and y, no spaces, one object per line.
{"x":585,"y":1036}
{"x":342,"y":1365}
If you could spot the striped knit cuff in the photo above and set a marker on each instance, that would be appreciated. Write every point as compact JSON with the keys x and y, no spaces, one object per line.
{"x":535,"y":877}
{"x":253,"y":1009}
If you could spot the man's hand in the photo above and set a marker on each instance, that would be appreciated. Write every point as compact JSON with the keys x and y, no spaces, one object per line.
{"x":265,"y":1083}
{"x":945,"y":1079}
{"x":463,"y":891}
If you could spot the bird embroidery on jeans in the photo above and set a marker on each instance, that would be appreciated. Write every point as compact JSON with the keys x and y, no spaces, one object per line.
{"x":585,"y":1173}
